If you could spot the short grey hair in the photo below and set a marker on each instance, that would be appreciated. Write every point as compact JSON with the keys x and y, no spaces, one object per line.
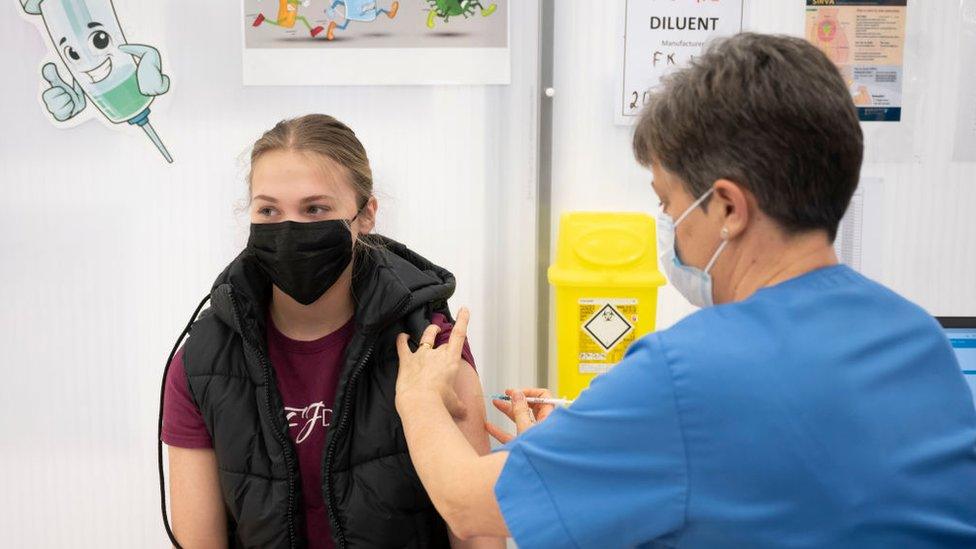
{"x":771,"y":113}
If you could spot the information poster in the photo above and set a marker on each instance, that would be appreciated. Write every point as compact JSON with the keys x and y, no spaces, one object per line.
{"x":866,"y":40}
{"x":663,"y":35}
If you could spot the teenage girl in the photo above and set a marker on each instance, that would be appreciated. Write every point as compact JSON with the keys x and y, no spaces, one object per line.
{"x":278,"y":410}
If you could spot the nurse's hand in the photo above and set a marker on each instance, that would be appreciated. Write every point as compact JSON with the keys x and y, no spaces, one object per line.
{"x":524,"y":415}
{"x":429,"y":373}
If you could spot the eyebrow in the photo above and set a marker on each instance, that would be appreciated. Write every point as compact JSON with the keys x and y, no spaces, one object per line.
{"x":93,"y":25}
{"x":316,"y":198}
{"x":266,"y":198}
{"x":63,"y":40}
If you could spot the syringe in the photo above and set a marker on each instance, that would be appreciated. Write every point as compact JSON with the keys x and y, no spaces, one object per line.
{"x":536,"y":400}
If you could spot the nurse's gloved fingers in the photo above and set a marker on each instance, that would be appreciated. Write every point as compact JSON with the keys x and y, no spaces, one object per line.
{"x":504,"y":407}
{"x":459,"y":333}
{"x":497,"y":433}
{"x":521,"y":412}
{"x":429,"y":337}
{"x":541,"y":411}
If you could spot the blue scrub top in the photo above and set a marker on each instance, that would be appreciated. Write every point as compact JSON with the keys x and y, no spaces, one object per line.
{"x":826,"y":411}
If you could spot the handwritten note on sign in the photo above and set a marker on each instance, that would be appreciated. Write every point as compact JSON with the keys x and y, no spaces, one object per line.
{"x":662,"y":35}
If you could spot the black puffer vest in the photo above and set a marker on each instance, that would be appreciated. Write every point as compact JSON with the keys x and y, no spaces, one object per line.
{"x":373,"y":495}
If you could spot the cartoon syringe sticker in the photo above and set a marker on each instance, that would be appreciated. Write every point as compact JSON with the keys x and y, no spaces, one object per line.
{"x":120,"y":78}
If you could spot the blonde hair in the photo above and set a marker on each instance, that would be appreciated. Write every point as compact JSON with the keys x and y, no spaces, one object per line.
{"x":324,"y":135}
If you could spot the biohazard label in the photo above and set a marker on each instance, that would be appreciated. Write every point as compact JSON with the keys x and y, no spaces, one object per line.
{"x":606,"y":331}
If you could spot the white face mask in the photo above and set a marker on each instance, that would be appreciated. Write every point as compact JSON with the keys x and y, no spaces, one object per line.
{"x":693,"y":283}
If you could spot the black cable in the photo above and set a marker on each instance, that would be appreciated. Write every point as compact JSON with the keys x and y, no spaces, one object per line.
{"x":159,"y":429}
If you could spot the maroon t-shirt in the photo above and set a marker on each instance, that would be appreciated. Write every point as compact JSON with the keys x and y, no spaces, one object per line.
{"x":308,"y":375}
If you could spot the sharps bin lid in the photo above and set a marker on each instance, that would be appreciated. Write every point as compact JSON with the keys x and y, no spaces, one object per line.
{"x":615,"y":249}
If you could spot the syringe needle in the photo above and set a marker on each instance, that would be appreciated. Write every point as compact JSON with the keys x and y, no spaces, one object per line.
{"x":154,"y":137}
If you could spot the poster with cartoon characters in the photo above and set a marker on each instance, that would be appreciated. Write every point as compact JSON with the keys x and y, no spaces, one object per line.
{"x":375,"y":42}
{"x":93,"y":70}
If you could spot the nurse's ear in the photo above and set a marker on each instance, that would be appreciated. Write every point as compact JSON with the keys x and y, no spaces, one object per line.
{"x":735,"y":205}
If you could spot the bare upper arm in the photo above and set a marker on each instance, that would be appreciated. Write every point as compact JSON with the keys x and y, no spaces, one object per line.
{"x":468,"y":388}
{"x":197,"y":507}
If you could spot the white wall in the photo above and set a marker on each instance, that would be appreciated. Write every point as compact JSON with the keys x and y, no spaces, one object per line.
{"x":929,"y":239}
{"x":106,"y":250}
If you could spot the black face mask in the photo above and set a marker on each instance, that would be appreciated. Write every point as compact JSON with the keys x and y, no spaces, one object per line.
{"x":303,"y":259}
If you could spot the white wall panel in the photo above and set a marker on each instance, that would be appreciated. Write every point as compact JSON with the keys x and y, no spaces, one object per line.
{"x":105,"y":250}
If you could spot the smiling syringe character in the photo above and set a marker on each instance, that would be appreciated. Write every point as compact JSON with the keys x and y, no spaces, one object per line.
{"x":121,"y":79}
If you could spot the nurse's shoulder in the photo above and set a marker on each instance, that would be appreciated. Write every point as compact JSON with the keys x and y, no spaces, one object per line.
{"x":716,"y":336}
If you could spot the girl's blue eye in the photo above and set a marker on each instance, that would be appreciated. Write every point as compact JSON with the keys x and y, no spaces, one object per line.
{"x":315,"y":210}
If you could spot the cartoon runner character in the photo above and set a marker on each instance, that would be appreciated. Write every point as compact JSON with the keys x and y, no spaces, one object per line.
{"x":357,"y":10}
{"x":288,"y":15}
{"x":120,"y":78}
{"x":445,"y":9}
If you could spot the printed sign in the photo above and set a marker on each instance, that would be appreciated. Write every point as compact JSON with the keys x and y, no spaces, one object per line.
{"x":663,"y":35}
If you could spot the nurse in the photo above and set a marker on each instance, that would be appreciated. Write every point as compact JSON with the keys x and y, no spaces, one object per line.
{"x":804,"y":405}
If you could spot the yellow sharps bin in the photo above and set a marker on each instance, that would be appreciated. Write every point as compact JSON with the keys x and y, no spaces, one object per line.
{"x":606,"y":281}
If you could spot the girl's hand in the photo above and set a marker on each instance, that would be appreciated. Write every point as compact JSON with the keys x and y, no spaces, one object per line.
{"x":524,"y":415}
{"x":430,"y":373}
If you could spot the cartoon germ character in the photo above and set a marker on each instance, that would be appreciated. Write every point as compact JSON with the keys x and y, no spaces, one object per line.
{"x":445,"y":9}
{"x":357,"y":10}
{"x":288,"y":16}
{"x":120,"y":78}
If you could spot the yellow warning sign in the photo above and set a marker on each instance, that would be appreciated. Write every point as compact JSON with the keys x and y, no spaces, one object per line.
{"x":606,"y":331}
